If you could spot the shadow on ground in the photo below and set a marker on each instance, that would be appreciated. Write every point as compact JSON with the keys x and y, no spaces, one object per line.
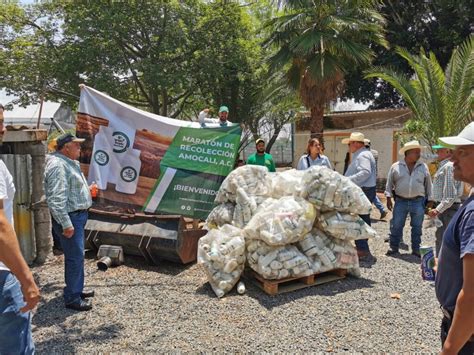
{"x":326,"y":290}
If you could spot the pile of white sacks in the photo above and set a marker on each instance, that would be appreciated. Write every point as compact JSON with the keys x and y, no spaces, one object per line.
{"x":288,"y":224}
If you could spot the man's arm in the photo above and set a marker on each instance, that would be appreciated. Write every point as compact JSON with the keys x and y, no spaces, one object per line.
{"x":56,"y":196}
{"x":389,"y":188}
{"x":462,"y":327}
{"x":450,"y":192}
{"x":10,"y":255}
{"x":428,"y":184}
{"x":272,"y":168}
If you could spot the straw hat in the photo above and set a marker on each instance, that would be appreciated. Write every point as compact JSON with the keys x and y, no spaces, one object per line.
{"x":367,"y":141}
{"x":409,"y":146}
{"x":354,"y":137}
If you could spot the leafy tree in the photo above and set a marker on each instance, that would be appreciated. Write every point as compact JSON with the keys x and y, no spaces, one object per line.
{"x":319,"y":41}
{"x":169,"y":57}
{"x":442,"y":101}
{"x":436,"y":25}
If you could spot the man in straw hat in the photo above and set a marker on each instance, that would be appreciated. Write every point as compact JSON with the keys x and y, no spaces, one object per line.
{"x":361,"y":171}
{"x":409,"y":183}
{"x":455,"y":274}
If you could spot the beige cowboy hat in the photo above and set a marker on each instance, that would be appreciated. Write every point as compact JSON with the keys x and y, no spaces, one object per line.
{"x":409,"y":146}
{"x":354,"y":137}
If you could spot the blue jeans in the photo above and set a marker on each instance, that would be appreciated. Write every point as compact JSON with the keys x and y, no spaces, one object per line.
{"x":73,"y":249}
{"x":363,"y":244}
{"x":403,"y":207}
{"x":378,"y":204}
{"x":15,"y":326}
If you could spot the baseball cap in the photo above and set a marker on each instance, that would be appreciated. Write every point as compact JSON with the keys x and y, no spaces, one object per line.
{"x":223,"y":109}
{"x":66,"y":138}
{"x":466,"y":137}
{"x":259,"y":140}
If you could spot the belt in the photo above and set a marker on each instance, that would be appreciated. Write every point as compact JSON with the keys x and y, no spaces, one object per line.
{"x":77,"y":211}
{"x":410,"y":199}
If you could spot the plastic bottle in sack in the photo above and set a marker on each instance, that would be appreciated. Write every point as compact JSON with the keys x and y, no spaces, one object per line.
{"x":101,"y":164}
{"x":230,"y":266}
{"x":230,"y":246}
{"x":127,"y":180}
{"x":285,"y":255}
{"x":240,"y":288}
{"x":289,"y":264}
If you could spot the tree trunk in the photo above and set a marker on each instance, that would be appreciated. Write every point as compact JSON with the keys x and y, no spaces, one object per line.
{"x":316,"y":124}
{"x":272,"y":139}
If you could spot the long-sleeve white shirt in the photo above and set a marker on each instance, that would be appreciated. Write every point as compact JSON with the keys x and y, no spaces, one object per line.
{"x":407,"y":185}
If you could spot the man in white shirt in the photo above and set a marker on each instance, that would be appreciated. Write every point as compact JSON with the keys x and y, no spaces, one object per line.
{"x":18,"y":291}
{"x":409,"y":183}
{"x":222,"y":121}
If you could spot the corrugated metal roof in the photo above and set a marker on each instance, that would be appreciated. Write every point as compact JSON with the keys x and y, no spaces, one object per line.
{"x":29,"y":114}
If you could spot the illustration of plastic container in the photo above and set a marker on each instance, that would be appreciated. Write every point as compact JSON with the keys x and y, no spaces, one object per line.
{"x":101,"y":160}
{"x":127,"y":179}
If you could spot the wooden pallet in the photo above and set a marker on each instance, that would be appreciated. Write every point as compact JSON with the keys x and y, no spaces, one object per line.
{"x":274,"y":287}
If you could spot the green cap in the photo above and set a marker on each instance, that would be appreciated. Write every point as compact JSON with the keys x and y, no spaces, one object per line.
{"x":223,"y":109}
{"x":437,"y":146}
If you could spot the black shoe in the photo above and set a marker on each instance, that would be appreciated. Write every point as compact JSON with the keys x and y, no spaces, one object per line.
{"x":403,"y":246}
{"x":392,"y":252}
{"x":87,"y":294}
{"x":383,"y":214}
{"x":80,"y":306}
{"x":57,"y":252}
{"x":416,"y":253}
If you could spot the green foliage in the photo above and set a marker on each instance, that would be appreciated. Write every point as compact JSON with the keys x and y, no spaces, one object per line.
{"x":436,"y":25}
{"x":319,"y":42}
{"x":169,"y":57}
{"x":442,"y":101}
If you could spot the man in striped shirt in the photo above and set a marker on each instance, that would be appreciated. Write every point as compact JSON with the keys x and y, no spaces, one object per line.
{"x":68,"y":198}
{"x":446,"y":192}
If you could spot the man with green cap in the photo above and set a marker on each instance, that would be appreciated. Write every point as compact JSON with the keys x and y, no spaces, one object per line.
{"x":205,"y":121}
{"x":446,"y":192}
{"x":260,"y":157}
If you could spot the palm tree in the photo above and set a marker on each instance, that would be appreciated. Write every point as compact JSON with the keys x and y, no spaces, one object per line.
{"x":442,"y":102}
{"x":318,"y":41}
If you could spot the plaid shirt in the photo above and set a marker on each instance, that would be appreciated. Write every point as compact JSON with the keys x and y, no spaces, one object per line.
{"x":446,"y":190}
{"x":65,"y":187}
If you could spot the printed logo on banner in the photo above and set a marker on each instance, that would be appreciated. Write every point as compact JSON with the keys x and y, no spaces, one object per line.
{"x":121,"y":142}
{"x":128,"y":174}
{"x":101,"y":157}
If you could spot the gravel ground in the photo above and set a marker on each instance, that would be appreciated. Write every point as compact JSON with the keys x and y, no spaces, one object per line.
{"x":171,"y":308}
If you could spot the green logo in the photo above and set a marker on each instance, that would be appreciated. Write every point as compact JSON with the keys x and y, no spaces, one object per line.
{"x":101,"y":157}
{"x":120,"y":142}
{"x":128,"y":174}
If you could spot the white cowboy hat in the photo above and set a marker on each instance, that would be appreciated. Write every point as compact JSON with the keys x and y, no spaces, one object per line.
{"x":354,"y":137}
{"x":466,"y":137}
{"x":367,"y":141}
{"x":409,"y":146}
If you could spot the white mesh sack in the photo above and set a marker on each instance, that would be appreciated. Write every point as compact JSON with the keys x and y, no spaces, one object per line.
{"x":329,"y":190}
{"x":277,"y":262}
{"x":286,"y":183}
{"x":345,"y":226}
{"x":283,"y":221}
{"x":222,"y":254}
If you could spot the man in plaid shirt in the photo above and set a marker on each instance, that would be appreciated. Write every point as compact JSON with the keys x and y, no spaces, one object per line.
{"x":68,"y":197}
{"x":446,"y":192}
